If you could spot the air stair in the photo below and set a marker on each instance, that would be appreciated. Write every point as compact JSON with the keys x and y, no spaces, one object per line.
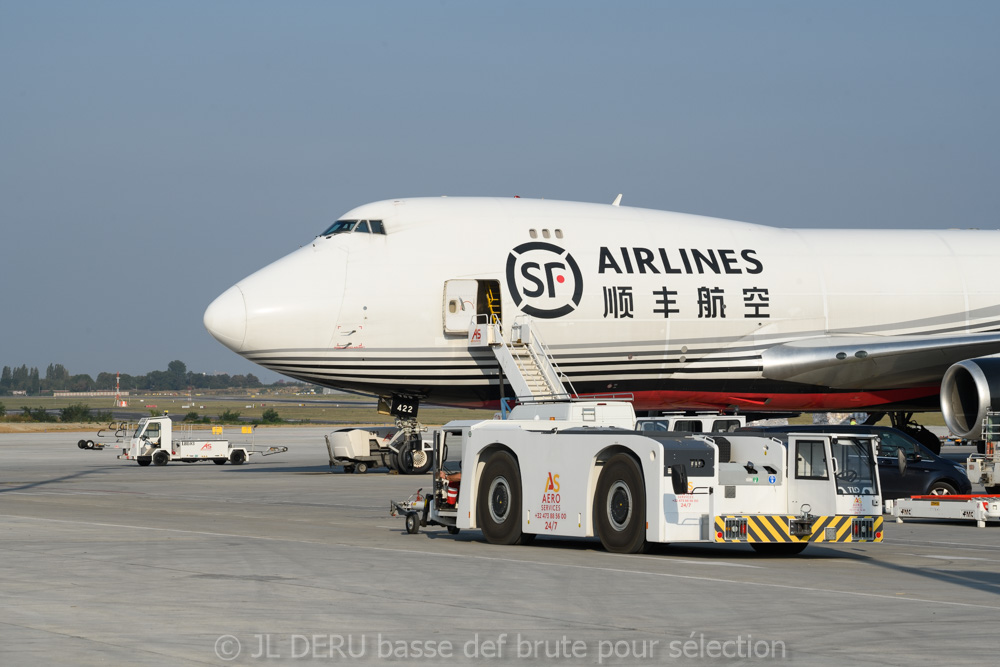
{"x":524,"y":359}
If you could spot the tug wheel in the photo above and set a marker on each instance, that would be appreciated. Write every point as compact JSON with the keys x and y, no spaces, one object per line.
{"x":361,"y":468}
{"x":498,"y":505}
{"x":219,"y":462}
{"x":412,"y":523}
{"x":161,"y":458}
{"x":238,"y":457}
{"x":620,"y":505}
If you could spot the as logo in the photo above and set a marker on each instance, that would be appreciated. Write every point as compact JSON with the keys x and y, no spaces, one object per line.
{"x":552,"y":484}
{"x":544,"y":280}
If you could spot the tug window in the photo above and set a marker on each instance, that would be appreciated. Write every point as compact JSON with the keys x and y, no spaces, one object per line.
{"x":810,"y":460}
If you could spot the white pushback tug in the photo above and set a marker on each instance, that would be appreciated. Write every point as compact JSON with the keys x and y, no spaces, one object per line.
{"x":578,"y":469}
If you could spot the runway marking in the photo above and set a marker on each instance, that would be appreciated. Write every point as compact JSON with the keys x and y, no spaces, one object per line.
{"x":517,"y":561}
{"x":947,"y":544}
{"x":939,"y":557}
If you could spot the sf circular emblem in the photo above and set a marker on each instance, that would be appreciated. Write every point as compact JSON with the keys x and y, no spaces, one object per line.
{"x":544,"y":280}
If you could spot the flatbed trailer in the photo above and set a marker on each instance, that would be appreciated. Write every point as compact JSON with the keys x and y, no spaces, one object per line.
{"x":978,"y":508}
{"x":525,"y":477}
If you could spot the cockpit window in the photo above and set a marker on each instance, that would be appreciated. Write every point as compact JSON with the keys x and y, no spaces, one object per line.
{"x":359,"y":226}
{"x":340,"y":227}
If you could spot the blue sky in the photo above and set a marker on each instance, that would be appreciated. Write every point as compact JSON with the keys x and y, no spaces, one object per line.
{"x":154,"y":153}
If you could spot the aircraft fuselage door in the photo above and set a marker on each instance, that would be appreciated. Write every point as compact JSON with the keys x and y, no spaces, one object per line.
{"x":460,"y":297}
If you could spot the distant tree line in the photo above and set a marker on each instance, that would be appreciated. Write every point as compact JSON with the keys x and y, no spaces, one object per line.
{"x":176,"y":378}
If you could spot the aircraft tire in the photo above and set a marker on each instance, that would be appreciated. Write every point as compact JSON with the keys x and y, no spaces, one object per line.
{"x":620,"y":505}
{"x":422,"y":460}
{"x":498,"y":506}
{"x":779,"y":548}
{"x":412,"y":460}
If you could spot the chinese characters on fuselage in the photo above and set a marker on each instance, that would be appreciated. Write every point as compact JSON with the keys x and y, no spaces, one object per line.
{"x":709,"y":301}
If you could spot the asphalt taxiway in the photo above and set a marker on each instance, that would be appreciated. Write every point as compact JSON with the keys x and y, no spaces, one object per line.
{"x":277,"y":561}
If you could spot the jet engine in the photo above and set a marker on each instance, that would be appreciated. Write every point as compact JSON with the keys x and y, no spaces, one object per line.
{"x":968,"y":389}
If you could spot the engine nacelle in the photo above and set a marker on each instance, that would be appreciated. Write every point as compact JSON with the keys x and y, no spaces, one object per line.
{"x":968,"y":389}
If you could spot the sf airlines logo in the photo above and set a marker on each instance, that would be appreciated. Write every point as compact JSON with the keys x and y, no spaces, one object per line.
{"x":544,"y":280}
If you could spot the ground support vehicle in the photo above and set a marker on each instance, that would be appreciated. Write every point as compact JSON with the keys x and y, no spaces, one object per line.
{"x":984,"y":468}
{"x":153,"y":441}
{"x":703,"y":422}
{"x":525,"y":477}
{"x":978,"y":508}
{"x":402,"y":449}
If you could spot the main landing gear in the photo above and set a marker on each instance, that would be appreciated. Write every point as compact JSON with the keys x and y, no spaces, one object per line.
{"x":904,"y":422}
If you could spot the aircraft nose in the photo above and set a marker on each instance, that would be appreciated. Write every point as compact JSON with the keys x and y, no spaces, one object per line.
{"x":226,"y":318}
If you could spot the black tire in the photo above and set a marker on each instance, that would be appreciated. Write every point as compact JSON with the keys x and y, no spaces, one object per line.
{"x":219,"y":462}
{"x":941,"y":489}
{"x":348,"y":469}
{"x":144,"y":461}
{"x":393,"y":462}
{"x":413,"y":460}
{"x":993,"y":489}
{"x":779,"y":548}
{"x":454,"y":530}
{"x":980,"y":446}
{"x":82,"y":444}
{"x":412,"y":523}
{"x":361,"y":468}
{"x":90,"y":444}
{"x":620,"y":505}
{"x":498,"y":504}
{"x":161,"y":458}
{"x":238,"y":457}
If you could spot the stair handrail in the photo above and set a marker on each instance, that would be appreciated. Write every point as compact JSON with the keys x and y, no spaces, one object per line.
{"x":543,"y":358}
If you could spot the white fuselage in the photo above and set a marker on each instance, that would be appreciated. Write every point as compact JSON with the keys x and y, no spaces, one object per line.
{"x":676,"y":309}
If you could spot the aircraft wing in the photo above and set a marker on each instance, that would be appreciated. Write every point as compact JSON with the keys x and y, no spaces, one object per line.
{"x":873,"y":362}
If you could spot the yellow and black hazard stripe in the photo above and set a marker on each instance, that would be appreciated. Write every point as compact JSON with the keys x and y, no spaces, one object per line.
{"x":774,"y":528}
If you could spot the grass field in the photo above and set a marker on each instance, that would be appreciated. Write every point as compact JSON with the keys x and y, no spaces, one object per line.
{"x":334,"y":410}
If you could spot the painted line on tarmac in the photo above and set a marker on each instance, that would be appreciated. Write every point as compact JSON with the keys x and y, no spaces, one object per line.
{"x":518,"y":561}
